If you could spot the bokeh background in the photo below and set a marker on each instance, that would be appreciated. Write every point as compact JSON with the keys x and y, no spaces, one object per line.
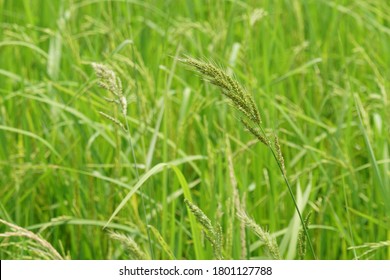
{"x":319,"y":73}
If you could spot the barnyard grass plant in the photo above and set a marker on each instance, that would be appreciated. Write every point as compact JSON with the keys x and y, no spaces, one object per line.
{"x":108,"y":80}
{"x":250,"y":118}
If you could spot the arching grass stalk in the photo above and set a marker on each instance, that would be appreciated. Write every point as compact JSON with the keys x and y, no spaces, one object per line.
{"x":243,"y":102}
{"x":109,"y":81}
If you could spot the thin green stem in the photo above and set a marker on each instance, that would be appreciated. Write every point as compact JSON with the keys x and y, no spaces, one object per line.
{"x":290,"y":191}
{"x":142,"y":197}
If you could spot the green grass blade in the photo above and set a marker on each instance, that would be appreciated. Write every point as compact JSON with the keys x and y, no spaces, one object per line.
{"x":153,"y":171}
{"x":32,"y":135}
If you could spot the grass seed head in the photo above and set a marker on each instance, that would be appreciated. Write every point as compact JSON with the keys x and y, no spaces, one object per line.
{"x":110,"y":82}
{"x":302,"y":240}
{"x":213,"y":234}
{"x":114,"y":120}
{"x":269,"y":241}
{"x":240,"y":99}
{"x":255,"y":132}
{"x":279,"y":154}
{"x":107,"y":78}
{"x":132,"y":247}
{"x":44,"y":248}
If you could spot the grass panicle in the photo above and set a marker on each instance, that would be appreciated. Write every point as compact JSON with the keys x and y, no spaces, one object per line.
{"x":213,"y":234}
{"x":114,"y":120}
{"x":110,"y":82}
{"x":244,"y":251}
{"x":108,"y":79}
{"x":370,"y":248}
{"x":279,"y":154}
{"x":269,"y":241}
{"x":255,"y":132}
{"x":302,"y":239}
{"x":240,"y":98}
{"x":44,"y":249}
{"x":238,"y":204}
{"x":162,"y":242}
{"x":132,"y":248}
{"x":244,"y":102}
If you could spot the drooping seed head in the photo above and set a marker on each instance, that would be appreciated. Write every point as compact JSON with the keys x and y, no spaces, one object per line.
{"x":240,"y":99}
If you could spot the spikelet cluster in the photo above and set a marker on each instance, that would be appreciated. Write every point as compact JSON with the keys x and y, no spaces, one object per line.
{"x":279,"y":154}
{"x":302,"y":239}
{"x":213,"y":234}
{"x":132,"y":248}
{"x":269,"y":241}
{"x":110,"y":82}
{"x":240,"y":98}
{"x":38,"y":245}
{"x":162,"y":242}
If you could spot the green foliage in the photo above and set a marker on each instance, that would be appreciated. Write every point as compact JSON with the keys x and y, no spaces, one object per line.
{"x":316,"y":70}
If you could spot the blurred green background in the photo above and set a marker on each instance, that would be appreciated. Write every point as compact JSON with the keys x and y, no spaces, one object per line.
{"x":318,"y":70}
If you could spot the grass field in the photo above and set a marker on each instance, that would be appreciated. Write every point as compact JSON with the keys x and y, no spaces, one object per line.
{"x":319,"y":73}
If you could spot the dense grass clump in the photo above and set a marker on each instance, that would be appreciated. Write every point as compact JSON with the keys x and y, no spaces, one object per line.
{"x":112,"y":149}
